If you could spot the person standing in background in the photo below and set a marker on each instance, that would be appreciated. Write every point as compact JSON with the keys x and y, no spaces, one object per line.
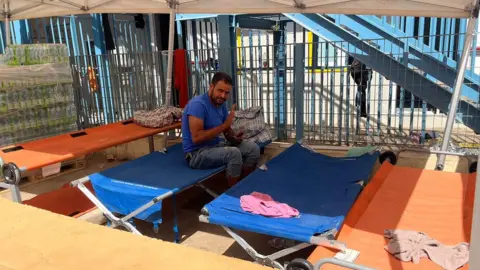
{"x":361,"y":74}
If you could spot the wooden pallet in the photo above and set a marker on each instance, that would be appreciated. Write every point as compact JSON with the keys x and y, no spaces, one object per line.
{"x":66,"y":167}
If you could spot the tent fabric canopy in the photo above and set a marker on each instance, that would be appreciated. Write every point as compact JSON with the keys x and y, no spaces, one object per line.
{"x":27,"y":9}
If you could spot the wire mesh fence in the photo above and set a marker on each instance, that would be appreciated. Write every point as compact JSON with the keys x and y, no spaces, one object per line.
{"x":36,"y":93}
{"x":112,"y":87}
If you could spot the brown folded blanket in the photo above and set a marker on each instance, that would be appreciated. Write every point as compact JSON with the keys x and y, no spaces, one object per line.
{"x":412,"y":246}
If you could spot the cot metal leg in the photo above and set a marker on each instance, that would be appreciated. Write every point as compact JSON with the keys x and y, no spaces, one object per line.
{"x":148,"y":205}
{"x":269,"y":260}
{"x":125,"y":221}
{"x":14,"y":191}
{"x":284,"y":252}
{"x":328,"y":240}
{"x":261,"y":259}
{"x":209,"y":191}
{"x":115,"y":221}
{"x":175,"y":219}
{"x":340,"y":263}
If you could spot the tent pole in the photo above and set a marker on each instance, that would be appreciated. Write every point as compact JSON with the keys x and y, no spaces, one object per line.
{"x":154,"y":50}
{"x":171,"y":36}
{"x":6,"y":7}
{"x":462,"y":65}
{"x":7,"y":31}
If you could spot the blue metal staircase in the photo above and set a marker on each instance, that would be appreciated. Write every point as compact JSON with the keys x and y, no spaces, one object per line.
{"x":421,"y":84}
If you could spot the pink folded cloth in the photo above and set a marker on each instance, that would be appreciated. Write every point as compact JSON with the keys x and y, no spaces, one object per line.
{"x":263,"y":204}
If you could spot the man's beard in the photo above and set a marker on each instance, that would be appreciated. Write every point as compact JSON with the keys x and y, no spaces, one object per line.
{"x":217,"y":101}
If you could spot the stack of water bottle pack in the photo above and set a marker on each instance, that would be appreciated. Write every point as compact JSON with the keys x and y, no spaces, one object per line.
{"x":36,"y":93}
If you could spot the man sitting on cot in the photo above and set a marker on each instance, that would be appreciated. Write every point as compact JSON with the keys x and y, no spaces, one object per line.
{"x":204,"y":118}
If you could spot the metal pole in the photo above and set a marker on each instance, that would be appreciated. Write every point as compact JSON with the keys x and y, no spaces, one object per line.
{"x":472,"y":22}
{"x":7,"y":22}
{"x":14,"y":191}
{"x":153,"y":101}
{"x":342,"y":263}
{"x":474,"y":261}
{"x":171,"y":36}
{"x":154,"y":49}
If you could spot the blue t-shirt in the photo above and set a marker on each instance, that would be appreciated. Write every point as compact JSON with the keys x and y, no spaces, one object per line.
{"x":202,"y":107}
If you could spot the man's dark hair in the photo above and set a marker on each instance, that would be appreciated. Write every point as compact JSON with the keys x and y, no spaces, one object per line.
{"x":222,"y":76}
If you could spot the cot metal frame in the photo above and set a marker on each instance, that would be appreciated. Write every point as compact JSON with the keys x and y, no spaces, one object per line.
{"x":10,"y":175}
{"x":127,"y":221}
{"x":14,"y":190}
{"x":326,"y":239}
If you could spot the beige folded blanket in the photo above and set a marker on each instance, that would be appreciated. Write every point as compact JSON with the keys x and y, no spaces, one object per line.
{"x":412,"y":246}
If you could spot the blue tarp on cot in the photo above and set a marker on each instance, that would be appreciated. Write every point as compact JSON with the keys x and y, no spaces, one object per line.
{"x":124,"y":188}
{"x":322,"y":188}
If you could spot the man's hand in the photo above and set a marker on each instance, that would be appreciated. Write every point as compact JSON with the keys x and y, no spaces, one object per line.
{"x":228,"y":122}
{"x":232,"y":137}
{"x":239,"y":135}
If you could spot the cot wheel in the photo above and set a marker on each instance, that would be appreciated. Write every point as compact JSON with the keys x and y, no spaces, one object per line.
{"x":11,"y":173}
{"x":388,"y":156}
{"x":473,"y":167}
{"x":299,"y":264}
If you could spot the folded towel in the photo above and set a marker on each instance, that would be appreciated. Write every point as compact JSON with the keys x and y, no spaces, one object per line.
{"x":263,"y":204}
{"x":358,"y":151}
{"x":412,"y":246}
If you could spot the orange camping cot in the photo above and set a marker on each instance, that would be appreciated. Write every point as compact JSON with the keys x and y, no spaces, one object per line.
{"x":437,"y":203}
{"x":47,"y":151}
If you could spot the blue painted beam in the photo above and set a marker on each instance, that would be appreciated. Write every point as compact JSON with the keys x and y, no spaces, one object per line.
{"x":180,"y":35}
{"x":3,"y":42}
{"x":474,"y":53}
{"x":102,"y":64}
{"x":299,"y":89}
{"x":21,"y":32}
{"x":389,"y":67}
{"x":279,"y":80}
{"x":461,"y":40}
{"x":424,"y":57}
{"x":227,"y":51}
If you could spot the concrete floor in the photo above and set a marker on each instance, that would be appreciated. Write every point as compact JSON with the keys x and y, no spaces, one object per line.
{"x":194,"y":233}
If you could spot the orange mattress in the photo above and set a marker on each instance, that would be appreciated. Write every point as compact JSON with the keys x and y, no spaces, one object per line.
{"x":37,"y":154}
{"x":437,"y":203}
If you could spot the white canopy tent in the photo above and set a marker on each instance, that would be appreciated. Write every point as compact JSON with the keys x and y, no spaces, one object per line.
{"x":26,"y":9}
